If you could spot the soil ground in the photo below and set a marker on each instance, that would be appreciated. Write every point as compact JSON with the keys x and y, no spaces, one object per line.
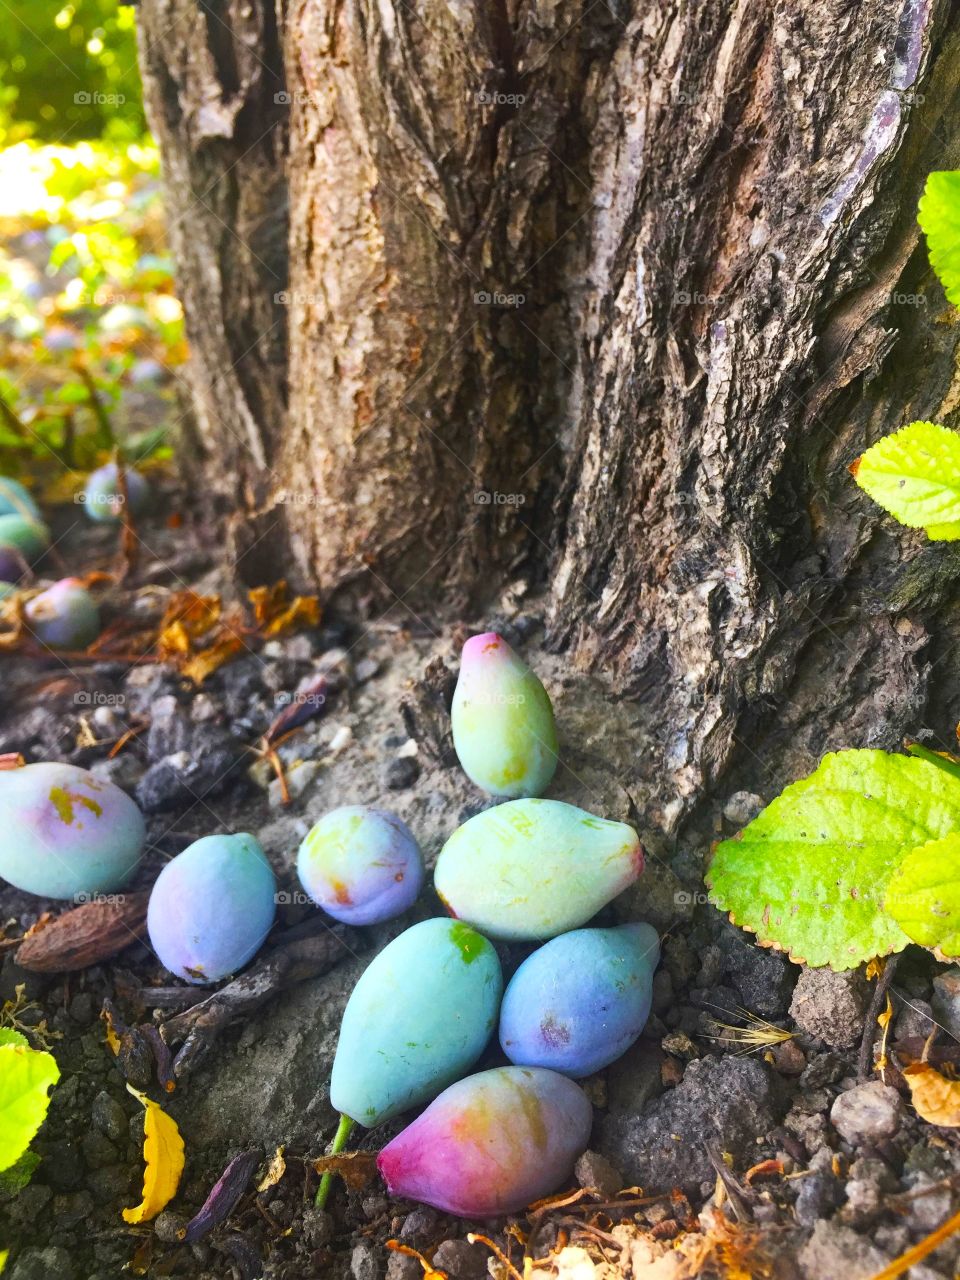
{"x":746,"y":1154}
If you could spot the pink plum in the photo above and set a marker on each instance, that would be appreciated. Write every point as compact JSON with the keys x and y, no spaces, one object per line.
{"x":492,"y":1143}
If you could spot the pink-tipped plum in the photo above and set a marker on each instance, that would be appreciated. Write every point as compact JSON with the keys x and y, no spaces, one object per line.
{"x":491,"y":1144}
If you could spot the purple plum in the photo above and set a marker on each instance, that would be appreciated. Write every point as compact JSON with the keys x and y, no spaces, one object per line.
{"x":65,"y":833}
{"x":361,"y":865}
{"x":103,"y":500}
{"x":65,"y":616}
{"x":211,"y":907}
{"x":491,"y":1144}
{"x":580,"y":1001}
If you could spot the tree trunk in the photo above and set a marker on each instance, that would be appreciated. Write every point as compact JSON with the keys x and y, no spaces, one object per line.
{"x":603,"y":296}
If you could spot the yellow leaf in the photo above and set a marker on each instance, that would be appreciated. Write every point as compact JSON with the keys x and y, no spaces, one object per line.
{"x":207,"y":661}
{"x":4,"y":1255}
{"x":112,"y":1039}
{"x":275,"y":1171}
{"x":935,"y":1098}
{"x":163,"y":1154}
{"x":274,"y":615}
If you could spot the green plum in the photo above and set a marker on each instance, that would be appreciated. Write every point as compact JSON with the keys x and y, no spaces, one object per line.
{"x":503,"y":726}
{"x":530,"y":869}
{"x":22,"y":540}
{"x":15,"y":499}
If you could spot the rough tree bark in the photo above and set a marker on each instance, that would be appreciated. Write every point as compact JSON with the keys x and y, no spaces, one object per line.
{"x":708,"y":211}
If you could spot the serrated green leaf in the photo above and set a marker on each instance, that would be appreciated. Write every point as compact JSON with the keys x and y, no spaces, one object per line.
{"x":939,"y":216}
{"x":923,"y":895}
{"x":25,"y":1079}
{"x":9,"y":1036}
{"x":914,"y":474}
{"x":808,"y":875}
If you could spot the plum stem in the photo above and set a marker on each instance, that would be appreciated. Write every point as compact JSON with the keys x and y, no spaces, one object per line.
{"x":344,"y":1129}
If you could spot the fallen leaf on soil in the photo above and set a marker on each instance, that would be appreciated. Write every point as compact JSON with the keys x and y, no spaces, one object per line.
{"x":223,"y":1197}
{"x":357,"y":1168}
{"x":163,"y":1154}
{"x":113,"y":1040}
{"x":275,"y":1171}
{"x":209,"y":660}
{"x":274,"y":616}
{"x":84,"y":936}
{"x":935,"y":1097}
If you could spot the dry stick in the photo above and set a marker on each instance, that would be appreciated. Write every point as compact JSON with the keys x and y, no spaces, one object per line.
{"x":865,"y":1063}
{"x":920,"y":1251}
{"x":298,"y":955}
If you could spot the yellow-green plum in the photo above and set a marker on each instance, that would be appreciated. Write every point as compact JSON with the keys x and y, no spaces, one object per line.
{"x":420,"y":1016}
{"x":492,"y":1143}
{"x":103,"y":496}
{"x":530,"y":869}
{"x":212,"y":907}
{"x":22,"y":540}
{"x":503,"y":726}
{"x":65,"y":616}
{"x":581,"y":1000}
{"x":17,"y":500}
{"x":362,"y":865}
{"x":65,"y":833}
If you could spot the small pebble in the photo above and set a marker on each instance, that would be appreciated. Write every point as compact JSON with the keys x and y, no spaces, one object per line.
{"x":363,"y":1262}
{"x":867,"y":1114}
{"x":400,"y":773}
{"x":167,"y":1225}
{"x":461,"y":1260}
{"x":365,"y":670}
{"x":595,"y":1170}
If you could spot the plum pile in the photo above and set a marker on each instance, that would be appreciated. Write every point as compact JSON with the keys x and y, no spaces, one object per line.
{"x":423,"y":1012}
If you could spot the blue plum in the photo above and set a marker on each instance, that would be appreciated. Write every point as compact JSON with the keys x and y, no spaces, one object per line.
{"x":420,"y":1015}
{"x":492,"y":1143}
{"x":16,"y":500}
{"x":502,"y":720}
{"x":362,"y":865}
{"x":580,"y":1001}
{"x":212,"y":907}
{"x":102,"y":497}
{"x":65,"y":616}
{"x":64,"y":832}
{"x":530,"y":869}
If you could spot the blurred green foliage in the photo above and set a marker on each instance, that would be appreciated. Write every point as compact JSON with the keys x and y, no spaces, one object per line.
{"x":68,"y":71}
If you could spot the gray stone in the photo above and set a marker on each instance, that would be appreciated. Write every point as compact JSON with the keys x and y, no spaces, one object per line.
{"x":98,"y":1150}
{"x":831,"y":1006}
{"x":168,"y":1225}
{"x":732,"y":1100}
{"x":400,"y":773}
{"x":834,"y":1251}
{"x":420,"y":1226}
{"x":124,"y":770}
{"x":868,"y":1184}
{"x":741,"y":808}
{"x":317,"y":1227}
{"x":819,"y":1195}
{"x":400,"y":1266}
{"x":825,"y":1068}
{"x":108,"y":1116}
{"x":928,"y":1210}
{"x":461,"y":1260}
{"x":867,"y":1114}
{"x":595,"y":1170}
{"x":946,"y":999}
{"x":363,"y":1262}
{"x":44,"y":1264}
{"x":763,"y":979}
{"x":71,"y":1208}
{"x":915,"y":1018}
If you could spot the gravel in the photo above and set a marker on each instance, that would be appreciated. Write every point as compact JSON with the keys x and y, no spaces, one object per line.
{"x":868,"y":1113}
{"x":831,"y":1006}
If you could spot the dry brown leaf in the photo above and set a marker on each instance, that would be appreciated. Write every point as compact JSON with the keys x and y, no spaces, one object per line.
{"x":935,"y":1097}
{"x":357,"y":1168}
{"x":84,"y":936}
{"x":275,"y":1171}
{"x":208,"y":660}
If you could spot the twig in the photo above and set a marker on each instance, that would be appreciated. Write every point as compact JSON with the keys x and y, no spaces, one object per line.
{"x":294,"y":959}
{"x":865,"y":1061}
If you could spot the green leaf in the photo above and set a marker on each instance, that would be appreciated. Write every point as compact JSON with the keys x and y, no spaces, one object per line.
{"x":923,"y":895}
{"x":808,"y":875}
{"x":939,"y":216}
{"x":9,"y":1036}
{"x":25,"y":1077}
{"x":914,"y":474}
{"x":14,"y":1179}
